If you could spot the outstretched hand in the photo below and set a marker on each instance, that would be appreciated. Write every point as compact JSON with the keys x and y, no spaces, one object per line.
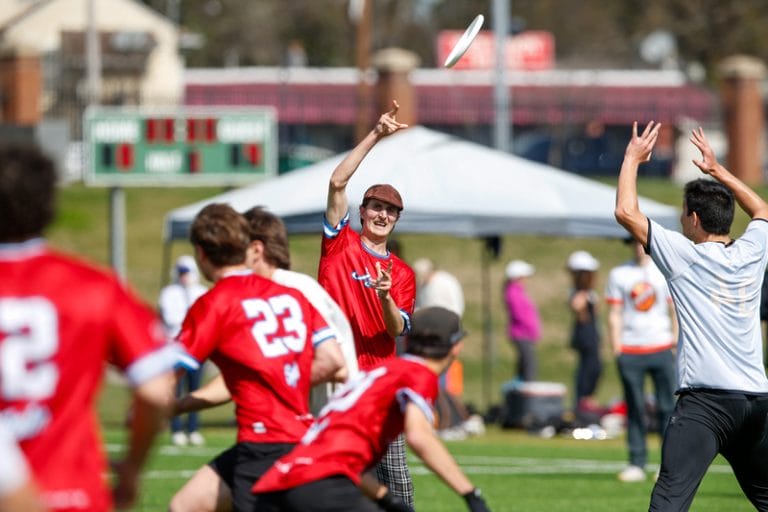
{"x":641,"y":146}
{"x":708,"y":163}
{"x":387,"y":124}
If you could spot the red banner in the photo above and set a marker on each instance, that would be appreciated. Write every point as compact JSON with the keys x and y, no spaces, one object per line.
{"x":531,"y":50}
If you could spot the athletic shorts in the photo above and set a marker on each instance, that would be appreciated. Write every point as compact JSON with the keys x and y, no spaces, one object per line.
{"x":251,"y":460}
{"x":224,"y":466}
{"x":331,"y":494}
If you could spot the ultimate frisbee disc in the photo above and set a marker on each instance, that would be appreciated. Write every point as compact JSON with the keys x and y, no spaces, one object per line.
{"x":464,"y":41}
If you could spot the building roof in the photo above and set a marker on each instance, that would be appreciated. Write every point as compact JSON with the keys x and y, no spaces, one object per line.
{"x":448,"y":97}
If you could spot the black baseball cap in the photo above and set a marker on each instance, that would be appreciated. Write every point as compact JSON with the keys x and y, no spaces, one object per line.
{"x":434,"y":331}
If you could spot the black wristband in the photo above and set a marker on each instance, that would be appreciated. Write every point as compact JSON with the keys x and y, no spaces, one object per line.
{"x":475,"y":501}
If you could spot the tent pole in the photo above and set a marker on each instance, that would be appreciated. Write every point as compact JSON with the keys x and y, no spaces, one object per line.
{"x":487,"y":324}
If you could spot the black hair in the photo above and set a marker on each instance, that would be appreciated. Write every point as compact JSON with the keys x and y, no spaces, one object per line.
{"x":27,"y":192}
{"x":712,"y":202}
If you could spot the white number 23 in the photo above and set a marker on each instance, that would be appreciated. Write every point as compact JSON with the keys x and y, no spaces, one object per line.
{"x":270,"y":315}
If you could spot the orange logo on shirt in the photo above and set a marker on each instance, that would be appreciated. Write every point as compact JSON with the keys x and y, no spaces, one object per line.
{"x":643,"y":296}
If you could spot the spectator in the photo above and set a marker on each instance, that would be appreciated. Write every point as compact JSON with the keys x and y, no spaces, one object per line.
{"x":270,"y":345}
{"x":175,"y":299}
{"x":322,"y":473}
{"x":436,"y":287}
{"x":585,"y":335}
{"x":642,"y":329}
{"x":439,"y":288}
{"x":61,"y":321}
{"x":374,"y":288}
{"x":524,"y":324}
{"x":722,"y":405}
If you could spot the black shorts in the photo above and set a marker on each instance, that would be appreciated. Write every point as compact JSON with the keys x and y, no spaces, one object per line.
{"x":224,"y":466}
{"x":332,"y":494}
{"x":251,"y":460}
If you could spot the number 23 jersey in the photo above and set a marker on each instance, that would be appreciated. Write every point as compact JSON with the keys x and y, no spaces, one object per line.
{"x":262,"y":336}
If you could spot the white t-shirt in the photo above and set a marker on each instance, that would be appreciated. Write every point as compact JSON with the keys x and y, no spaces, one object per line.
{"x":442,"y":289}
{"x":716,"y":291}
{"x":643,"y":295}
{"x":175,"y":299}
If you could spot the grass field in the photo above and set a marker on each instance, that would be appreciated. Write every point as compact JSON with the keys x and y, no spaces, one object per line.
{"x":515,"y":470}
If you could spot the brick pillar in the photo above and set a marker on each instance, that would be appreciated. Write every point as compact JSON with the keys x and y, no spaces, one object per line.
{"x":393,"y":66}
{"x":21,"y":87}
{"x":742,"y":101}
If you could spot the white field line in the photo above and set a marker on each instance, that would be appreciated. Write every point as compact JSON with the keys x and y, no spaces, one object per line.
{"x":470,"y":464}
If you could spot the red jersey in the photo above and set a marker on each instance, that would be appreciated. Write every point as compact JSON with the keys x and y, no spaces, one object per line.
{"x":355,"y":428}
{"x":60,"y":321}
{"x":261,"y":335}
{"x":347,"y":268}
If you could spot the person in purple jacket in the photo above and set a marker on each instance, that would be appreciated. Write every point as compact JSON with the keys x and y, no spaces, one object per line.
{"x":524,"y":327}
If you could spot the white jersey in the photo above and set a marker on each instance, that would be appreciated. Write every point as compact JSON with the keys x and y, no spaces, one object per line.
{"x":643,"y":295}
{"x":716,"y":290}
{"x":333,"y":316}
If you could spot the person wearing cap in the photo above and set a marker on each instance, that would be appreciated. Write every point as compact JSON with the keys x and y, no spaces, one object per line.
{"x":585,"y":334}
{"x":642,"y":330}
{"x":524,"y":323}
{"x":324,"y":471}
{"x":174,"y":302}
{"x":374,"y":288}
{"x":715,"y":281}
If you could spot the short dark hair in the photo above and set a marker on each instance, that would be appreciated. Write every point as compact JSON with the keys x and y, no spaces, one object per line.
{"x":269,"y":229}
{"x":27,"y":192}
{"x":222,"y":233}
{"x":713,"y":202}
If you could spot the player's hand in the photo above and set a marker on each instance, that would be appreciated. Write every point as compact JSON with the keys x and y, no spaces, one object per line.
{"x":387,"y":124}
{"x":708,"y":163}
{"x":640,"y":146}
{"x":383,"y":282}
{"x":475,"y":501}
{"x":126,"y":486}
{"x":392,"y":503}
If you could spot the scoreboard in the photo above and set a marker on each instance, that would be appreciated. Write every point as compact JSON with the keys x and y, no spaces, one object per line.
{"x":179,"y":146}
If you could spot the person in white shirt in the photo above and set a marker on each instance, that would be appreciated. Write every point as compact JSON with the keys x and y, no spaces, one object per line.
{"x":715,"y":283}
{"x":642,"y":330}
{"x":436,"y":287}
{"x":175,"y":299}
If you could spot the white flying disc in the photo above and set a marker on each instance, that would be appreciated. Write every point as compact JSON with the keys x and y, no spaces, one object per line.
{"x":462,"y":45}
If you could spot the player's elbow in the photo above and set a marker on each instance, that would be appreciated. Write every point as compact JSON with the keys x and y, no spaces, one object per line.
{"x":625,"y":213}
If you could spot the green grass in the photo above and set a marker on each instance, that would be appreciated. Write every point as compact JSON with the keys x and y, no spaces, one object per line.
{"x":516,"y":472}
{"x":509,"y":481}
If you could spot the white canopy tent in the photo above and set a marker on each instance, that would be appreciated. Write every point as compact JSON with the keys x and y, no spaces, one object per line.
{"x":449,"y":186}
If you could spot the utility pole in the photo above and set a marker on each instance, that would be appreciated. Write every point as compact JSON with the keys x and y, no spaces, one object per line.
{"x":501,"y":92}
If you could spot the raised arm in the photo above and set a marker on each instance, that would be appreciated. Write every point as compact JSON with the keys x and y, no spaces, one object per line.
{"x":338,"y":203}
{"x":749,"y":201}
{"x":627,"y":210}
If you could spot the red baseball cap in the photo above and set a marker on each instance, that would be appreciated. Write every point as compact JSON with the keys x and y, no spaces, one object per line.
{"x":384,"y":192}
